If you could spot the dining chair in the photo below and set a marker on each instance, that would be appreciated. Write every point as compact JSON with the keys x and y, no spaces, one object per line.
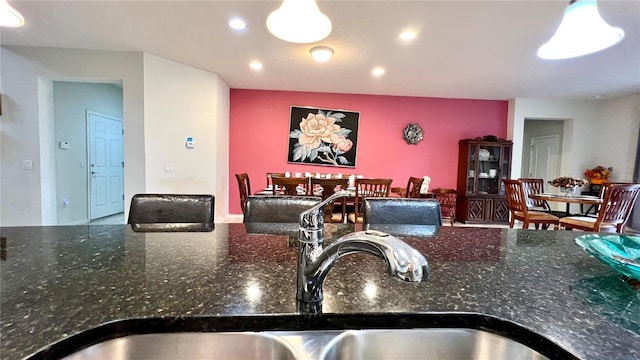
{"x":401,"y":211}
{"x":366,"y":188}
{"x":244,"y":187}
{"x":161,"y":212}
{"x":413,"y":187}
{"x":534,"y":186}
{"x":447,"y":199}
{"x":614,"y":211}
{"x":329,"y":187}
{"x":271,"y":175}
{"x":517,"y":203}
{"x":291,"y":185}
{"x":277,"y":208}
{"x":596,"y":208}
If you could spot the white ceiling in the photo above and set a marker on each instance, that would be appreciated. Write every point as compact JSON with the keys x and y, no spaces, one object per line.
{"x":465,"y":49}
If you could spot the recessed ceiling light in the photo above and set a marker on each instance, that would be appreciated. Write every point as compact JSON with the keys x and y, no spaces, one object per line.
{"x":378,"y":71}
{"x":237,"y":24}
{"x":408,"y":35}
{"x":255,"y":65}
{"x":321,"y":53}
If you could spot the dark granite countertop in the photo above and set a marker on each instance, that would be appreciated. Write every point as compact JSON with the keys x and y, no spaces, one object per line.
{"x":59,"y":281}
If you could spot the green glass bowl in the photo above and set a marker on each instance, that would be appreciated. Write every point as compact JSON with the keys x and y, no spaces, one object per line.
{"x":621,"y":252}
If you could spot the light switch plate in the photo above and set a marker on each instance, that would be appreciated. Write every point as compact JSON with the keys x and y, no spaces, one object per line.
{"x":168,"y":167}
{"x":27,"y":165}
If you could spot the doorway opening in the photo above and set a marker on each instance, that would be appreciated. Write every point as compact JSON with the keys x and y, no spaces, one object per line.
{"x":88,"y":120}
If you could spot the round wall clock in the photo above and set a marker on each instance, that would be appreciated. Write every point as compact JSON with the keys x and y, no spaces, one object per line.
{"x":413,"y":134}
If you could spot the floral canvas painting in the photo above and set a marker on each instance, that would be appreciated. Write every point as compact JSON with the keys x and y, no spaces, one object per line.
{"x":323,"y":136}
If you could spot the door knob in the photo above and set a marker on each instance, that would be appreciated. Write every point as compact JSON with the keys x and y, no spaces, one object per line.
{"x":95,"y":172}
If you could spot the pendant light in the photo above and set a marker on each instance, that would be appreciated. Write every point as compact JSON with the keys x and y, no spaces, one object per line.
{"x":581,"y":32}
{"x":9,"y":17}
{"x":299,"y":21}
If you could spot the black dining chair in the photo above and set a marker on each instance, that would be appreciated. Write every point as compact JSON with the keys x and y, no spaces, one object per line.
{"x":171,"y":212}
{"x":401,"y":211}
{"x":277,"y":208}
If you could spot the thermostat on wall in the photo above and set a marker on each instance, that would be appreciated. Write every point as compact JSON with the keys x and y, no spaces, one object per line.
{"x":190,"y":143}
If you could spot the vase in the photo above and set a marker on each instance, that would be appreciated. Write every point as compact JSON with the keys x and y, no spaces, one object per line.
{"x":598,"y":181}
{"x":569,"y":191}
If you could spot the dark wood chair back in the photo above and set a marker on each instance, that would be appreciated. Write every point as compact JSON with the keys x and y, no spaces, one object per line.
{"x":517,"y":202}
{"x":401,"y":211}
{"x":244,"y":187}
{"x":413,"y":187}
{"x":368,"y":188}
{"x":271,"y":175}
{"x":290,"y":185}
{"x":329,"y":187}
{"x":448,"y":199}
{"x":277,"y":208}
{"x":534,"y":186}
{"x":617,"y":205}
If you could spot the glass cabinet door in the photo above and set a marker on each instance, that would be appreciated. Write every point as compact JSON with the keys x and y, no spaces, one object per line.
{"x":471,"y":169}
{"x":505,"y":166}
{"x":488,"y":168}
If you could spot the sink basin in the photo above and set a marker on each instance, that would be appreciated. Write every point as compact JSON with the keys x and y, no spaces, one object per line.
{"x":171,"y":346}
{"x":326,"y":337}
{"x":439,"y":344}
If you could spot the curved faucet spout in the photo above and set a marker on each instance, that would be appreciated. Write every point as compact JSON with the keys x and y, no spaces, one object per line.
{"x":314,"y":263}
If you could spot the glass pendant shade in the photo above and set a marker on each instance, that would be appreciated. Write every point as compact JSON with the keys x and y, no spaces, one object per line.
{"x":581,"y":32}
{"x":9,"y":16}
{"x":299,"y":21}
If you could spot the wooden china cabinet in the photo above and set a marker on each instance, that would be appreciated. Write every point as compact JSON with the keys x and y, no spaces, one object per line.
{"x":482,"y":164}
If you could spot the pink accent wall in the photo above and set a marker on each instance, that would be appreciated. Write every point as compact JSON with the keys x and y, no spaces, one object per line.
{"x":259,"y":135}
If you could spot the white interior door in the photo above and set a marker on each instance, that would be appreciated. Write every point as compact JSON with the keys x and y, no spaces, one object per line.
{"x":106,"y":175}
{"x":543,"y":157}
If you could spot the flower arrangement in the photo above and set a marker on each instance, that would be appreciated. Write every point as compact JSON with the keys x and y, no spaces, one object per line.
{"x":599,"y":174}
{"x":567,"y":182}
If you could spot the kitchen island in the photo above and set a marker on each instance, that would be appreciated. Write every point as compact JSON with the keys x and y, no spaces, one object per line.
{"x":60,"y":281}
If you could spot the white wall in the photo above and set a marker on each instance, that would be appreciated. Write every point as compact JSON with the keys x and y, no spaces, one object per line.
{"x":595,"y":133}
{"x":180,"y":102}
{"x":72,"y":100}
{"x":618,"y":136}
{"x":163,"y":103}
{"x":580,"y":127}
{"x":21,"y":196}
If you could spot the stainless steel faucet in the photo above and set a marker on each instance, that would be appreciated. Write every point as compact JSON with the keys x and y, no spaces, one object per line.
{"x":314,"y":261}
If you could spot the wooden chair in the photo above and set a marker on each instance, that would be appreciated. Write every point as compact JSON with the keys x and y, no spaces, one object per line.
{"x":447,"y":199}
{"x":368,"y":188}
{"x":534,"y":186}
{"x":401,"y":211}
{"x":517,"y":202}
{"x":277,"y":208}
{"x":290,"y":185}
{"x":614,"y":211}
{"x":329,"y":188}
{"x":413,"y":187}
{"x":244,"y":187}
{"x":596,"y":208}
{"x":171,"y":212}
{"x":271,"y":175}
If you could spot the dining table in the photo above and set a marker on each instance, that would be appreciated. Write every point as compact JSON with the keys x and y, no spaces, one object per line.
{"x":568,"y":199}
